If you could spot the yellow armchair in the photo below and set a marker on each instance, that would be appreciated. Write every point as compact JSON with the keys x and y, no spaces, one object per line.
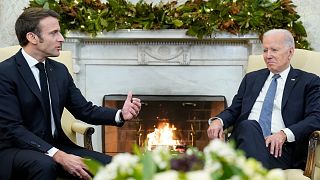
{"x":69,"y":124}
{"x":308,"y":61}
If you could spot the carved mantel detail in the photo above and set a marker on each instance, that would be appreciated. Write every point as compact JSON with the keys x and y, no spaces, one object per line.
{"x":164,"y":54}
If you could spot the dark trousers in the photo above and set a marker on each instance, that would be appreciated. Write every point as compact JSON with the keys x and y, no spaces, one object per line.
{"x":249,"y":138}
{"x":33,"y":165}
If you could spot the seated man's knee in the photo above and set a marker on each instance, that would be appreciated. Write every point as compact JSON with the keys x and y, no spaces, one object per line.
{"x":248,"y":124}
{"x":34,"y":166}
{"x":247,"y":127}
{"x":46,"y":165}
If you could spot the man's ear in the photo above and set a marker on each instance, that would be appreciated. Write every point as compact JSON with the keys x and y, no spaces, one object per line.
{"x":291,"y":52}
{"x":32,"y":38}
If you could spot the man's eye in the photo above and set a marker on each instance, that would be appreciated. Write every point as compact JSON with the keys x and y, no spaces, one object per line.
{"x":54,"y":32}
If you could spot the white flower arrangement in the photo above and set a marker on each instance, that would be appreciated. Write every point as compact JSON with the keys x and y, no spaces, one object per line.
{"x":218,"y":161}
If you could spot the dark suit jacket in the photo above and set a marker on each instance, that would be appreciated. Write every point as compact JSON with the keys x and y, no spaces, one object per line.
{"x":300,"y":106}
{"x":22,"y":112}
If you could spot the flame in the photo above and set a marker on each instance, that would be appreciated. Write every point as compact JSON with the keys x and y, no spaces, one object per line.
{"x":162,"y":136}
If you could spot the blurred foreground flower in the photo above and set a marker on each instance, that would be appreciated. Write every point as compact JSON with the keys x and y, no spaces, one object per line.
{"x":218,"y":161}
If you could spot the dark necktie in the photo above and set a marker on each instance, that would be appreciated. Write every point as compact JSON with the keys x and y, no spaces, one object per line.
{"x":267,"y":107}
{"x":45,"y":93}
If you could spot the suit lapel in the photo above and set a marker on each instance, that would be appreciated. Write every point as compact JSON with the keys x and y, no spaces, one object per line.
{"x":28,"y":77}
{"x":257,"y":85}
{"x":292,"y":79}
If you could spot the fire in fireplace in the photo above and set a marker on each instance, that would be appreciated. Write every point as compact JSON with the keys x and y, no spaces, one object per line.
{"x":176,"y":121}
{"x":163,"y":135}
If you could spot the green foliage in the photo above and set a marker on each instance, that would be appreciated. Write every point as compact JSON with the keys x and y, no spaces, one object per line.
{"x":218,"y":161}
{"x":149,"y":168}
{"x":93,"y":165}
{"x":201,"y":18}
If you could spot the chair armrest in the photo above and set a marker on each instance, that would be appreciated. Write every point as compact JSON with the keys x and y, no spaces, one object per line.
{"x":310,"y":165}
{"x":227,"y":132}
{"x":87,"y":132}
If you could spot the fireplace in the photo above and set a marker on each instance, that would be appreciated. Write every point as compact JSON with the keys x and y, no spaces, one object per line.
{"x":157,"y":63}
{"x":187,"y":116}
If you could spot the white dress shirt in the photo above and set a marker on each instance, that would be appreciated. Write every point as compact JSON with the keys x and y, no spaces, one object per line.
{"x":277,"y":122}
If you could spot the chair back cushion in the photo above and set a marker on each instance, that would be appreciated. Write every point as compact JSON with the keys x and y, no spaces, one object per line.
{"x":302,"y":59}
{"x":65,"y":56}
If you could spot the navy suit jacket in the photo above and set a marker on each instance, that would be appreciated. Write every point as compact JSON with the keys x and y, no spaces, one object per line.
{"x":22,"y":112}
{"x":300,"y":106}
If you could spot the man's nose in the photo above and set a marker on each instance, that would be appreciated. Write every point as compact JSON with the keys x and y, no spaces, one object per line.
{"x":269,"y":53}
{"x":60,"y":38}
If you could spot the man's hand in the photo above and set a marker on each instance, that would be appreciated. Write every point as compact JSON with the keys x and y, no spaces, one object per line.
{"x":72,"y":164}
{"x":131,"y":107}
{"x":275,"y":143}
{"x":215,"y":130}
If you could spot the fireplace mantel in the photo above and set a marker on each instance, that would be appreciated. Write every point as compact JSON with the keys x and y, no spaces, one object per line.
{"x":156,"y":34}
{"x":164,"y":62}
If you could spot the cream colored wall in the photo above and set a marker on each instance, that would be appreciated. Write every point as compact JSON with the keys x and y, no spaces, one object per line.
{"x":10,"y":10}
{"x":309,"y":10}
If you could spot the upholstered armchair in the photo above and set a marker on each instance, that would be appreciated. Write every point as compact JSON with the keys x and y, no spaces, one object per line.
{"x":308,"y":61}
{"x":69,"y":124}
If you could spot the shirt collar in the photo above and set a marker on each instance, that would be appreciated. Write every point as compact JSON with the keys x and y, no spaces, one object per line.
{"x":30,"y":60}
{"x":283,"y":74}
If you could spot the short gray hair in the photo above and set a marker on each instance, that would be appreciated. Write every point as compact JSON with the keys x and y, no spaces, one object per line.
{"x":288,"y":39}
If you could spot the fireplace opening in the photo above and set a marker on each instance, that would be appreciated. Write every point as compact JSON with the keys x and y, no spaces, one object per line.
{"x":176,"y":121}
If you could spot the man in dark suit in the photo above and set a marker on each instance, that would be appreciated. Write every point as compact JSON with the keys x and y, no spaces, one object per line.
{"x":278,"y":138}
{"x":34,"y":90}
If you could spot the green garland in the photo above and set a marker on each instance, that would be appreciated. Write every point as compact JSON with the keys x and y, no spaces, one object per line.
{"x":201,"y":18}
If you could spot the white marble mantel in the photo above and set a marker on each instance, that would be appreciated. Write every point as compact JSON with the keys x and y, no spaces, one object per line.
{"x":165,"y":62}
{"x":154,"y":34}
